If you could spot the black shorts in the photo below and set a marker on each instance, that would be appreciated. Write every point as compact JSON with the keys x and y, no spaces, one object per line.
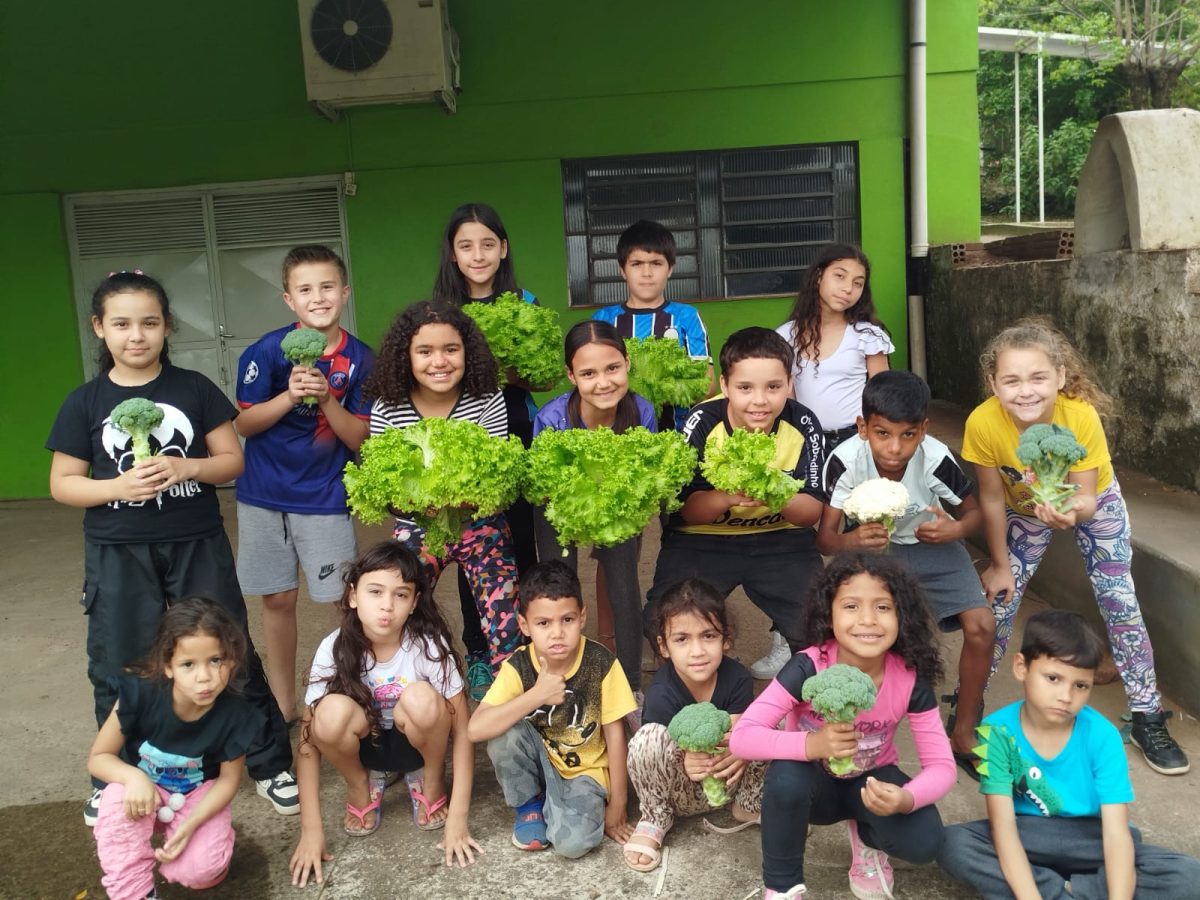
{"x":390,"y":752}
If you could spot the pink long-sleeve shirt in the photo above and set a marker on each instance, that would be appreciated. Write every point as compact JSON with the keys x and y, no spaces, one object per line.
{"x":901,"y":694}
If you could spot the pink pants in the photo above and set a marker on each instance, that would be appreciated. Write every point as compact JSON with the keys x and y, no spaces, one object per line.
{"x":123,"y":845}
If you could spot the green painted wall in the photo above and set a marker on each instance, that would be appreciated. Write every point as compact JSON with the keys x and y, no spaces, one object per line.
{"x":152,"y":95}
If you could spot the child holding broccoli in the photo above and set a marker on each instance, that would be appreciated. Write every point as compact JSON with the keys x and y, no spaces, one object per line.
{"x":867,"y":627}
{"x":892,"y":445}
{"x":303,"y":416}
{"x":1037,"y":379}
{"x":152,"y":524}
{"x":679,"y":761}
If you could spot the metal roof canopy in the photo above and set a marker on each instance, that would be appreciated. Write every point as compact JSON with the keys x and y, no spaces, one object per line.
{"x":1017,"y":41}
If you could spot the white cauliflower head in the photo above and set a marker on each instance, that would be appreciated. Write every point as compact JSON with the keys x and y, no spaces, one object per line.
{"x":877,"y":500}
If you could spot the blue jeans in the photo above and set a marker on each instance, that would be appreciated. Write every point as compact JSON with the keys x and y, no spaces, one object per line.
{"x":1064,"y":849}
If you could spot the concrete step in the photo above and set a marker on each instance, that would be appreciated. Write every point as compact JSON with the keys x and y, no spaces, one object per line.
{"x":1166,"y":566}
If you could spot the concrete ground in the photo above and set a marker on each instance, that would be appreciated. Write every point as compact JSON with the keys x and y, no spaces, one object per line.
{"x":46,"y":712}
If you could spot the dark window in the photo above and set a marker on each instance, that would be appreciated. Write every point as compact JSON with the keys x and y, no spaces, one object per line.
{"x":746,"y":222}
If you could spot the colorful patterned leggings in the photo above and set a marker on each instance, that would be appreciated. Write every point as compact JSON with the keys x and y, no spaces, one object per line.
{"x":484,"y":553}
{"x":1104,"y":541}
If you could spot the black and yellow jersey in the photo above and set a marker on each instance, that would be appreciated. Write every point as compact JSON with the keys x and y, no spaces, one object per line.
{"x":799,"y":453}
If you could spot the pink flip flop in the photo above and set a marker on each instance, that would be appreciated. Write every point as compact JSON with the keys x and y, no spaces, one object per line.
{"x":416,"y":787}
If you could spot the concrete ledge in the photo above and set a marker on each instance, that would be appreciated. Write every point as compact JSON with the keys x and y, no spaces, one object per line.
{"x":1166,"y":567}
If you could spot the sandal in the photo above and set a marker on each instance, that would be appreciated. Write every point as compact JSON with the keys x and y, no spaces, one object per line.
{"x":416,"y":787}
{"x":375,"y":789}
{"x":967,"y":762}
{"x":647,"y":830}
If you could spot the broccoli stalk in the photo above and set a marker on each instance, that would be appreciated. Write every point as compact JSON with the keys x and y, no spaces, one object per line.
{"x":1050,"y":451}
{"x":137,"y":417}
{"x":303,"y":347}
{"x":699,"y":728}
{"x":838,"y":694}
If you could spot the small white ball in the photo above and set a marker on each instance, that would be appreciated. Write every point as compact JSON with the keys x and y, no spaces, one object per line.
{"x":165,"y":814}
{"x":176,"y":801}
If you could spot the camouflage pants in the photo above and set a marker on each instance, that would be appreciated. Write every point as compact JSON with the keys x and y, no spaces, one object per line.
{"x":574,"y":807}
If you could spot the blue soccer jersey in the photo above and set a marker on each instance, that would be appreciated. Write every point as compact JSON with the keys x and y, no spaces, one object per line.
{"x":671,"y":320}
{"x":296,"y":465}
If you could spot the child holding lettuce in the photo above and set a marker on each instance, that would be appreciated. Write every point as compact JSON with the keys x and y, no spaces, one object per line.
{"x":435,"y":362}
{"x":598,"y":367}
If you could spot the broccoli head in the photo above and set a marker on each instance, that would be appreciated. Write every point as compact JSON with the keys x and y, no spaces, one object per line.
{"x":137,"y":417}
{"x":1050,"y":451}
{"x":699,"y":728}
{"x":303,"y":347}
{"x":838,"y":694}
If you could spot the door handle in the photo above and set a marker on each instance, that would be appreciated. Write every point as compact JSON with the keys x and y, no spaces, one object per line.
{"x":223,"y":332}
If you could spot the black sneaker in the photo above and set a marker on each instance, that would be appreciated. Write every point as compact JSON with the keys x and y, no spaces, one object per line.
{"x":91,"y":810}
{"x":1162,"y":754}
{"x":282,"y":791}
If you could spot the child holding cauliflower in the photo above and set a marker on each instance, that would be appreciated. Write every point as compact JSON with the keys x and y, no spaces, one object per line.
{"x":679,"y":761}
{"x":1037,"y":379}
{"x":893,"y":452}
{"x":303,"y":416}
{"x":866,"y":613}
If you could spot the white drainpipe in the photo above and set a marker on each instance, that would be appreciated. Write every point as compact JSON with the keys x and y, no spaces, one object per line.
{"x":917,"y":177}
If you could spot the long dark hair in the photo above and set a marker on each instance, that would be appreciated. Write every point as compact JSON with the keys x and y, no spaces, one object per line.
{"x":451,"y":285}
{"x":185,"y":618}
{"x":352,"y":652}
{"x":695,"y":596}
{"x":806,"y":312}
{"x":392,"y":379}
{"x":915,"y":642}
{"x":591,"y":331}
{"x":130,"y":283}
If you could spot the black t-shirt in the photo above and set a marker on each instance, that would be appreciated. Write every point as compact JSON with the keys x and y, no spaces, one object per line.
{"x":668,"y":694}
{"x":179,"y":755}
{"x":192,"y":407}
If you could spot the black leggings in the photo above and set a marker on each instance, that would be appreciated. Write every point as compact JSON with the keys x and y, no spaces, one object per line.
{"x":799,"y":793}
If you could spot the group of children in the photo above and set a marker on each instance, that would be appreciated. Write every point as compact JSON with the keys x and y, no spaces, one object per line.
{"x":387,"y":694}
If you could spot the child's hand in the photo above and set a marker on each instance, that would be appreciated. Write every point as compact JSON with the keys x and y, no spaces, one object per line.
{"x":458,"y":844}
{"x":740,"y":500}
{"x":163,"y":472}
{"x":697,"y":766}
{"x":728,"y":767}
{"x":133,"y":486}
{"x":307,"y":858}
{"x":942,"y":530}
{"x":998,"y":583}
{"x":549,"y":688}
{"x":1048,"y":515}
{"x":305,"y":382}
{"x":886,"y":799}
{"x":835,"y":740}
{"x":174,"y":845}
{"x":869,"y":536}
{"x":616,"y":826}
{"x":141,"y":796}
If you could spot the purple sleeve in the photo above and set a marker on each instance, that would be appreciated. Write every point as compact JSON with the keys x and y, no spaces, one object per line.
{"x":937,"y":774}
{"x":755,"y":736}
{"x":646,"y":413}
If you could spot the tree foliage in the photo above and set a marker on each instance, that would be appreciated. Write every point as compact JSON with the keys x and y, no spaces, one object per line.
{"x":1144,"y":52}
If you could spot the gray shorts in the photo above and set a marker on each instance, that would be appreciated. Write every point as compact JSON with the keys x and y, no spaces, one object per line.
{"x":947,"y":577}
{"x":272,"y":543}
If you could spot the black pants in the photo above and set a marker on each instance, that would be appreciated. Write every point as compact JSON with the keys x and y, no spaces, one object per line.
{"x":796,"y":794}
{"x":127,"y":588}
{"x":775,"y":569}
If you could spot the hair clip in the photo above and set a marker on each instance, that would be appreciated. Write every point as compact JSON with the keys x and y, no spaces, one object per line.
{"x":127,"y":272}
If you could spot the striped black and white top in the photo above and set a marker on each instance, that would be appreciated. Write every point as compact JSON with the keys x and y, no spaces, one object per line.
{"x":487,"y":411}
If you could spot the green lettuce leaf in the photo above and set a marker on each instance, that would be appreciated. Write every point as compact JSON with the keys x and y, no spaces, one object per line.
{"x":662,"y":372}
{"x":522,"y":336}
{"x":442,"y":473}
{"x":603,"y":488}
{"x":744,"y":463}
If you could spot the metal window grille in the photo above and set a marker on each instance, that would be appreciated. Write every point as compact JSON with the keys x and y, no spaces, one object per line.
{"x":746,"y":222}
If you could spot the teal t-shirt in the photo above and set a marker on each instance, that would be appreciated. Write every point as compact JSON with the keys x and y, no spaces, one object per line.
{"x":1090,"y":771}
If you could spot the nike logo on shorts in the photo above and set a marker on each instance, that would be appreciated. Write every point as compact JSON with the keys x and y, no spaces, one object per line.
{"x":326,"y":571}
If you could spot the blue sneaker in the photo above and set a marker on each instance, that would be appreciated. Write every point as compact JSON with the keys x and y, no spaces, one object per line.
{"x":529,"y":830}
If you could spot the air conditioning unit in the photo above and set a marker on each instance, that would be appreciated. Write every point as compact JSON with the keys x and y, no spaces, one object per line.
{"x":369,"y":52}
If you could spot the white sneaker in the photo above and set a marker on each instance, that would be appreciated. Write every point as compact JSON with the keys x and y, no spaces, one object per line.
{"x":777,"y":656}
{"x":282,"y":791}
{"x":798,"y":890}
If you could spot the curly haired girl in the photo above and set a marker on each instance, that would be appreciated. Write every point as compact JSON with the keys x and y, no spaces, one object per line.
{"x":435,"y":362}
{"x":385,"y":695}
{"x":866,"y":611}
